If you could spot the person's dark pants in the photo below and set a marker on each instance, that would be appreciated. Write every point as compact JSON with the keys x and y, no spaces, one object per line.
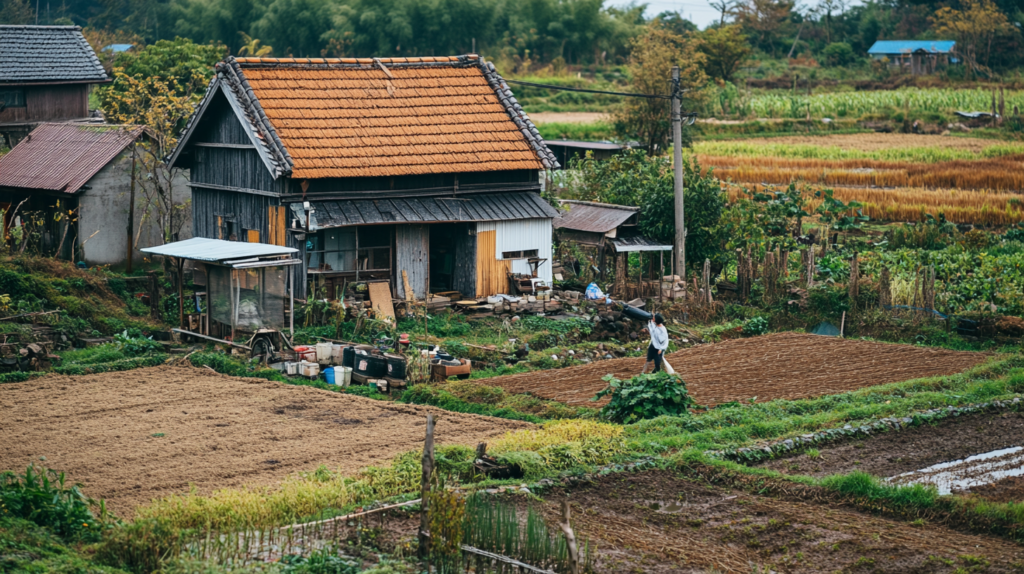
{"x":654,"y":355}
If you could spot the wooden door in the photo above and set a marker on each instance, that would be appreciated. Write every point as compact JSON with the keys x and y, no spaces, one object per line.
{"x":491,"y":273}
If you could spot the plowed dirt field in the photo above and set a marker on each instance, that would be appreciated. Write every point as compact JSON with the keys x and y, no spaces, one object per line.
{"x":138,"y":435}
{"x":777,"y":366}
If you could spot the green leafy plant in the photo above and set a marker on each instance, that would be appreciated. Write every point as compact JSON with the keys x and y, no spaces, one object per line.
{"x":41,"y":495}
{"x":134,"y":345}
{"x":645,"y":397}
{"x":755,"y":326}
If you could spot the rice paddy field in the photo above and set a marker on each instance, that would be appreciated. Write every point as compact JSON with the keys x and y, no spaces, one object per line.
{"x":898,"y":177}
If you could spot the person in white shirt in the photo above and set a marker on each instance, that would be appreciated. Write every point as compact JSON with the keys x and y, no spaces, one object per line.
{"x":659,"y":342}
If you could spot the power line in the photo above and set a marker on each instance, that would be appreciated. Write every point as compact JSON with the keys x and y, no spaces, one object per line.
{"x":568,"y":89}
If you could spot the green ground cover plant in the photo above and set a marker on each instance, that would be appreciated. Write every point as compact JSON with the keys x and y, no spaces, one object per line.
{"x":645,"y":396}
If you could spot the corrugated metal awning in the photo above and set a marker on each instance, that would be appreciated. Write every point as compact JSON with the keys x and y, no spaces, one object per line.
{"x":594,"y":217}
{"x":477,"y":207}
{"x":630,"y":244}
{"x":233,"y":253}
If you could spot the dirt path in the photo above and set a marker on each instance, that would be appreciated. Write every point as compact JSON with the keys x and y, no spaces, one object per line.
{"x":896,"y":452}
{"x":569,"y":117}
{"x":137,"y":435}
{"x":877,"y":141}
{"x":777,"y":366}
{"x":656,"y":522}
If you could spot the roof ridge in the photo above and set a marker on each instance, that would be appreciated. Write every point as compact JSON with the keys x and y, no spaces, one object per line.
{"x":518,"y":115}
{"x":417,"y":60}
{"x":240,"y":86}
{"x":49,"y":27}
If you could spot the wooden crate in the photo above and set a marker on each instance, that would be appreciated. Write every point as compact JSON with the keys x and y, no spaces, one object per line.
{"x":442,"y":372}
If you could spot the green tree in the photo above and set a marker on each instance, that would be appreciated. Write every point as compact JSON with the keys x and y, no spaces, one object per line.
{"x":17,"y":12}
{"x":765,"y":20}
{"x":636,"y":179}
{"x":975,"y":27}
{"x":724,"y":50}
{"x":839,"y":54}
{"x":181,"y":63}
{"x":654,"y":54}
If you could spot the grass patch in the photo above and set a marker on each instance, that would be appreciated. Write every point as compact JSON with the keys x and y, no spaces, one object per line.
{"x":590,"y":131}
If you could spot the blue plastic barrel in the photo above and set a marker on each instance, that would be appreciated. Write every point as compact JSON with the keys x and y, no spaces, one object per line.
{"x":329,"y":373}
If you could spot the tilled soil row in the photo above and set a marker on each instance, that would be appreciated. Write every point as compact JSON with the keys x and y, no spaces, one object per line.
{"x":776,"y":366}
{"x":658,"y":522}
{"x":895,"y":452}
{"x":137,"y":435}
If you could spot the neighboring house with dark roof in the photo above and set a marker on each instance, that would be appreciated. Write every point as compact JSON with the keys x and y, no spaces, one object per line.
{"x":45,"y":75}
{"x":76,"y":179}
{"x":609,"y":229}
{"x":422,"y":165}
{"x":915,"y":56}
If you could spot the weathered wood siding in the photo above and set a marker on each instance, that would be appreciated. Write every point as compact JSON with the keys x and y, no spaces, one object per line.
{"x":439,"y":183}
{"x":45,"y":103}
{"x":211,"y":208}
{"x":240,"y":168}
{"x":465,"y":260}
{"x":412,"y":254}
{"x":229,"y":167}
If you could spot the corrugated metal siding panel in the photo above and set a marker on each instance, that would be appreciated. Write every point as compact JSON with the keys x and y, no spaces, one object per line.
{"x":522,"y":234}
{"x":412,"y":256}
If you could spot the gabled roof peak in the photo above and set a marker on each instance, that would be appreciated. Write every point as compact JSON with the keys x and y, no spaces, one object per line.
{"x":378,"y":117}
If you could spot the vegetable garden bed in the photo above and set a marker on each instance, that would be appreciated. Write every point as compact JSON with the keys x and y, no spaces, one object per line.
{"x":777,"y":366}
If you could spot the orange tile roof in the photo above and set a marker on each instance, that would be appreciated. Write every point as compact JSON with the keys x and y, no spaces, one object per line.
{"x":349,"y":117}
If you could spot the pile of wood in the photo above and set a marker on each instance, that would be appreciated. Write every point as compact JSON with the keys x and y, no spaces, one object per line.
{"x":30,"y":357}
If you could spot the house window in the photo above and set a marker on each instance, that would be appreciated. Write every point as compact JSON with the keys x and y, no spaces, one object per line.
{"x":11,"y":98}
{"x":524,"y":254}
{"x":346,"y":249}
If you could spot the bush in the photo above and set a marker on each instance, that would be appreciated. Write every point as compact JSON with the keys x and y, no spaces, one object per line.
{"x":755,"y":326}
{"x":645,"y":397}
{"x":42,"y":497}
{"x":838,"y":54}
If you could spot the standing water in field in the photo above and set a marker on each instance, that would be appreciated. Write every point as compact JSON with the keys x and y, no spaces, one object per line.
{"x":964,"y":474}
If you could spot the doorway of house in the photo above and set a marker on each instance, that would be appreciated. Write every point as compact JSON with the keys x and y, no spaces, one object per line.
{"x":442,"y":258}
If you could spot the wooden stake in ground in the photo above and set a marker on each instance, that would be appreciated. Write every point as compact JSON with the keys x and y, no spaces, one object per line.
{"x":428,"y":470}
{"x":570,"y":539}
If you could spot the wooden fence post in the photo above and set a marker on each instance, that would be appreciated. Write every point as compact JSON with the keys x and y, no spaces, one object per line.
{"x":428,"y":470}
{"x":570,"y":540}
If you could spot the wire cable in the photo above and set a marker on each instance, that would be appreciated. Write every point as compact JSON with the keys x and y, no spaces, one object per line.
{"x":568,"y":89}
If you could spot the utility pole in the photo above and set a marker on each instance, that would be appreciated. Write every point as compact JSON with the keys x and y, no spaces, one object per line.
{"x":677,"y":166}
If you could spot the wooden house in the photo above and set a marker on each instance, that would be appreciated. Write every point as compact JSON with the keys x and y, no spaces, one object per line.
{"x":918,"y":57}
{"x":45,"y":76}
{"x":75,"y":180}
{"x":423,"y":170}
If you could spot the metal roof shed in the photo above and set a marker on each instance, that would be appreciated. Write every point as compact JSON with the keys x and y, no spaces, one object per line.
{"x":247,"y":283}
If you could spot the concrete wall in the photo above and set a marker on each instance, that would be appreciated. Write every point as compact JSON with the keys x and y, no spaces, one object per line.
{"x":522,"y":234}
{"x":103,"y":216}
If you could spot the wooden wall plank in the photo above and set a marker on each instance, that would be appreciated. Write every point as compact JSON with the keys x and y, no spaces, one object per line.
{"x":412,"y":255}
{"x":491,"y":273}
{"x":253,"y":236}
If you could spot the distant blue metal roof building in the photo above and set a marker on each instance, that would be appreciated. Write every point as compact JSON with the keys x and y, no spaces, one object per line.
{"x":116,"y":48}
{"x":906,"y":47}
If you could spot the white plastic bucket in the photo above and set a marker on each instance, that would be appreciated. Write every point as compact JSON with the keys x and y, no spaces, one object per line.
{"x":323,"y":353}
{"x":291,"y":368}
{"x":336,"y":349}
{"x":343,"y":376}
{"x":307,"y":369}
